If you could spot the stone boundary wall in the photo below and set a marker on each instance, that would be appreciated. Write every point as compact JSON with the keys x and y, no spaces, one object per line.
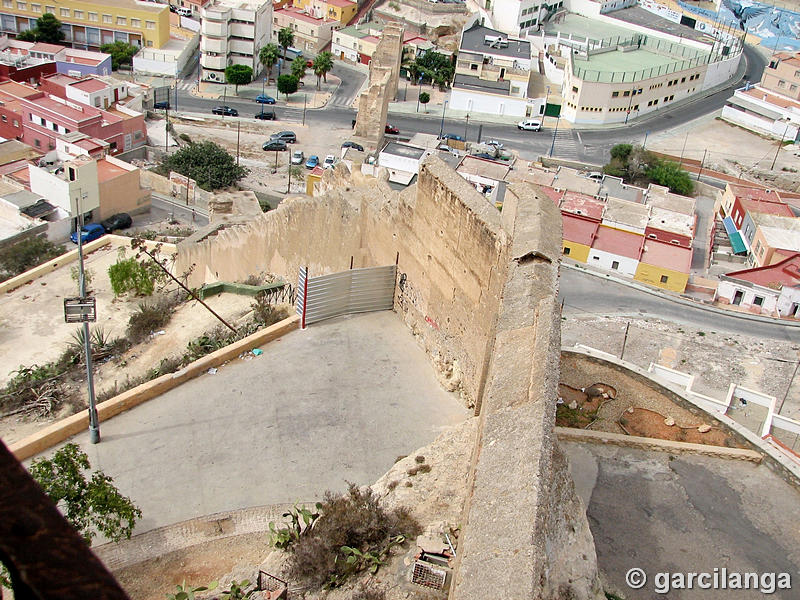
{"x":524,"y":529}
{"x":59,"y":431}
{"x":443,"y":235}
{"x":170,"y":538}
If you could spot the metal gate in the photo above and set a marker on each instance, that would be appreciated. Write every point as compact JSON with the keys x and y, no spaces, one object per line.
{"x":353,"y":291}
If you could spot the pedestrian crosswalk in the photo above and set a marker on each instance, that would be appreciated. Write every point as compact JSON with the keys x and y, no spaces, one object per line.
{"x":564,"y":145}
{"x":187,"y":84}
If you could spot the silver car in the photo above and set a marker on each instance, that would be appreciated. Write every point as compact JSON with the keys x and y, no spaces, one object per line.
{"x":298,"y":158}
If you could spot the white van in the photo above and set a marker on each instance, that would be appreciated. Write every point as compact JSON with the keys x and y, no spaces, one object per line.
{"x":184,"y":11}
{"x":530,"y":125}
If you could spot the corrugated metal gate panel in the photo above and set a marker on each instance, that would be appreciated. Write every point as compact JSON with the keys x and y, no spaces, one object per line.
{"x":354,"y":291}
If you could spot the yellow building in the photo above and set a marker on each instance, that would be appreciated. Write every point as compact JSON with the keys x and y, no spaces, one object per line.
{"x":92,"y":23}
{"x":575,"y":251}
{"x":338,"y":10}
{"x":664,"y":265}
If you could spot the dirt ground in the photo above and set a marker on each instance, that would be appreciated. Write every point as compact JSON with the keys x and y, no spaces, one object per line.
{"x":33,"y":331}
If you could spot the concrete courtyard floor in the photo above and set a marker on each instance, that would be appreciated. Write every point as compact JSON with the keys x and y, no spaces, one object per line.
{"x":337,"y":402}
{"x":681,"y":514}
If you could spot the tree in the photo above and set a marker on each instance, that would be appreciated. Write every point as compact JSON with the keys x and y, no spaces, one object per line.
{"x":121,"y":53}
{"x":435,"y":66}
{"x":26,"y":254}
{"x":299,"y":67}
{"x":207,"y":163}
{"x":91,"y":507}
{"x":268,"y":56}
{"x":285,"y":39}
{"x":669,"y":174}
{"x":621,"y":151}
{"x":287,"y":84}
{"x":322,"y":64}
{"x":47,"y":30}
{"x":424,"y":98}
{"x":238,"y":75}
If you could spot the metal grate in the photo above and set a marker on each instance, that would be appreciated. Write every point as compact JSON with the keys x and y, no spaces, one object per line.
{"x":270,"y":583}
{"x":427,"y":575}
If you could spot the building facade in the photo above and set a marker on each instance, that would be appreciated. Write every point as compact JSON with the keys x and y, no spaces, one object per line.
{"x":782,"y":75}
{"x":89,"y":24}
{"x":338,"y":10}
{"x":233,"y":33}
{"x":311,"y":33}
{"x":518,"y":17}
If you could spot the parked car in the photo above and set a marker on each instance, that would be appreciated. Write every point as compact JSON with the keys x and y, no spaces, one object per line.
{"x":89,"y":232}
{"x":184,"y":11}
{"x":312,"y":161}
{"x":298,"y":157}
{"x":266,"y":116}
{"x":117,"y":221}
{"x":329,"y":161}
{"x":277,"y":145}
{"x":495,"y":143}
{"x":484,"y":155}
{"x":288,"y":137}
{"x":265,"y":99}
{"x":452,"y":136}
{"x":530,"y":125}
{"x":163,"y":105}
{"x":225,"y":111}
{"x":349,"y":144}
{"x":391,"y":129}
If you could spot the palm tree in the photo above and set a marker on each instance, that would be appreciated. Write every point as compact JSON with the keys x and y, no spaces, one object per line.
{"x":322,"y":64}
{"x":285,"y":39}
{"x":268,"y":56}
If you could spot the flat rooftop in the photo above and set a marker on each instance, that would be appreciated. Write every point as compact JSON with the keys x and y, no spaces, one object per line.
{"x":403,"y":150}
{"x":583,"y":204}
{"x":667,"y":256}
{"x":669,"y":220}
{"x":470,"y":82}
{"x":586,"y":27}
{"x":617,"y":60}
{"x":475,"y":39}
{"x":626,"y":212}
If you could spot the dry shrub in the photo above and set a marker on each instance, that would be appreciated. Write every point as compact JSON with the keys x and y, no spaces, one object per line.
{"x":149,"y":317}
{"x":267,"y":314}
{"x":364,"y":592}
{"x":354,"y":519}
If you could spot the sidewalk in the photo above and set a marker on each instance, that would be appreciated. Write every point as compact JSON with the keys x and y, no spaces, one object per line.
{"x":306,"y":94}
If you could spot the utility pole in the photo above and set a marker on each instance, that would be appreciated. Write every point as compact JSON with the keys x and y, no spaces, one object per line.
{"x":466,"y":125}
{"x":680,"y":163}
{"x":441,"y":129}
{"x":238,"y":129}
{"x":778,"y":149}
{"x":625,"y":340}
{"x":304,"y":108}
{"x":288,"y":185}
{"x":702,"y":162}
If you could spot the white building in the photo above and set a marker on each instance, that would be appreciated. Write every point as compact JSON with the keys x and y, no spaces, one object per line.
{"x":402,"y":161}
{"x":233,"y":33}
{"x":518,"y":17}
{"x":765,"y":112}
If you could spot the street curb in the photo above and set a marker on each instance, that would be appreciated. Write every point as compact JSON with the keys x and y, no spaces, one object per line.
{"x":57,"y":432}
{"x":684,"y":301}
{"x":569,"y":434}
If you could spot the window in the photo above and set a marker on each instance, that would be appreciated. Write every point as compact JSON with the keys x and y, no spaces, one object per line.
{"x":574,"y":89}
{"x":16,"y":123}
{"x":149,"y":43}
{"x":22,"y":6}
{"x":595,"y":258}
{"x":150,"y":24}
{"x":626,"y":93}
{"x":615,"y":264}
{"x":122,"y":21}
{"x":55,"y":127}
{"x":664,"y":279}
{"x":113,"y":146}
{"x":8,"y":4}
{"x":107,"y":19}
{"x":566,"y":250}
{"x":64,"y":12}
{"x":37,"y":8}
{"x":797,"y":73}
{"x":78,"y":14}
{"x":4,"y":119}
{"x":37,"y":143}
{"x":615,"y":94}
{"x":781,"y":83}
{"x":50,"y":9}
{"x":93,"y":16}
{"x":758,"y":301}
{"x":793,"y":87}
{"x":473,"y":67}
{"x":136,"y":23}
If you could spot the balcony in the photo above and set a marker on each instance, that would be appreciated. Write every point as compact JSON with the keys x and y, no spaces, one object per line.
{"x":214,"y":29}
{"x":214,"y":62}
{"x":241,"y":46}
{"x":218,"y":46}
{"x":241,"y":30}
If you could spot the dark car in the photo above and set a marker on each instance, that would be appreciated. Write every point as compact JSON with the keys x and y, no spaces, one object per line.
{"x":225,"y":111}
{"x":452,"y":136}
{"x":288,"y":137}
{"x":485,"y":155}
{"x":275,"y":145}
{"x":265,"y":116}
{"x":391,"y":129}
{"x":89,"y":232}
{"x":163,"y":105}
{"x":117,"y":221}
{"x":349,"y":144}
{"x":264,"y":99}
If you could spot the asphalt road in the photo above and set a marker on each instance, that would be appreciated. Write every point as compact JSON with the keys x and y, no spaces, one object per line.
{"x":585,"y":145}
{"x":587,"y":294}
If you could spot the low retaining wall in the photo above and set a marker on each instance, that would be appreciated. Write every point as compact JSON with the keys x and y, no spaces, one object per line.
{"x":66,"y":428}
{"x":170,"y":538}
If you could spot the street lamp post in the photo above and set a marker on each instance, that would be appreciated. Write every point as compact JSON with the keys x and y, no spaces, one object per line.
{"x":555,"y":131}
{"x":444,"y":111}
{"x":466,"y":125}
{"x":94,"y":427}
{"x":644,"y":143}
{"x":419,"y":83}
{"x":263,"y":83}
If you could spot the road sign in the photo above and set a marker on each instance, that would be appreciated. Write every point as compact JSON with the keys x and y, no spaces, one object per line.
{"x":80,"y":310}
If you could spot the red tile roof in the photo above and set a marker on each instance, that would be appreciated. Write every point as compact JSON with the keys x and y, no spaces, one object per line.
{"x":667,"y":256}
{"x":552,"y":193}
{"x":46,"y":48}
{"x":785,"y":272}
{"x":767,"y":207}
{"x":341,"y":3}
{"x":578,"y":229}
{"x":744,"y":192}
{"x":89,"y":85}
{"x":616,"y":241}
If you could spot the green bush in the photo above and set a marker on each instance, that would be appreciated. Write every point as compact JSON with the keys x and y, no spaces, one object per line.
{"x":621,"y":151}
{"x":669,"y":174}
{"x":132,"y":275}
{"x":26,"y":254}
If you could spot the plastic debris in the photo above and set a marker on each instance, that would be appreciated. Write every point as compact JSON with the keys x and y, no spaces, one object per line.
{"x":212,"y":371}
{"x":258,"y":351}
